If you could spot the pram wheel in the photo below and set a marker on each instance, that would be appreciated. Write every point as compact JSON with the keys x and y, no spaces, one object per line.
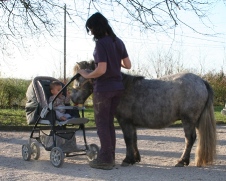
{"x":35,"y":150}
{"x":26,"y":152}
{"x":57,"y":157}
{"x":92,"y":152}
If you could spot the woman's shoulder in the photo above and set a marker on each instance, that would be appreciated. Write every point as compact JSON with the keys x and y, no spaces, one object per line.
{"x":103,"y":39}
{"x":109,"y":39}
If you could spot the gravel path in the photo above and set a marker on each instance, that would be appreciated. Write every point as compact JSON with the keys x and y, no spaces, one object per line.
{"x":159,"y":151}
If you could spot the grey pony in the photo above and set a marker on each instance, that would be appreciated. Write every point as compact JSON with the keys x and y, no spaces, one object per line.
{"x":156,"y":104}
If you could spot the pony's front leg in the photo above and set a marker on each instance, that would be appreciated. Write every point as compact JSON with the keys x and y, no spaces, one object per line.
{"x":130,"y":137}
{"x":190,"y":137}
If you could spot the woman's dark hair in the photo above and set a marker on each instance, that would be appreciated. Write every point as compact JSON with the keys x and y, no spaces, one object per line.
{"x":99,"y":26}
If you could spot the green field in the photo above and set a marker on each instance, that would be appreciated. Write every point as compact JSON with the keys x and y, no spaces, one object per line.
{"x":16,"y":117}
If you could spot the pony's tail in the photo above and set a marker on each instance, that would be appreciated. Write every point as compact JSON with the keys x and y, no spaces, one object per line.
{"x":206,"y":148}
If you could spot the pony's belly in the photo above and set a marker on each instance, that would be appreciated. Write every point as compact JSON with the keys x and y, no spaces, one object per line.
{"x":153,"y":123}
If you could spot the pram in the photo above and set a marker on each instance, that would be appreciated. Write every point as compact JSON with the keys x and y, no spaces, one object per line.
{"x":54,"y":135}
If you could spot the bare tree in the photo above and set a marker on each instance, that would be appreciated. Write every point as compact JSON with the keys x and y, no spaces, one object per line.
{"x":33,"y":16}
{"x":164,"y":15}
{"x":37,"y":15}
{"x":24,"y":19}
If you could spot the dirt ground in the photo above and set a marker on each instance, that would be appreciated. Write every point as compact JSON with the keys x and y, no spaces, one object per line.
{"x":159,"y":149}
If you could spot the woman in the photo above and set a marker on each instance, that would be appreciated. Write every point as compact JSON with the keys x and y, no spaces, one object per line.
{"x":110,"y":55}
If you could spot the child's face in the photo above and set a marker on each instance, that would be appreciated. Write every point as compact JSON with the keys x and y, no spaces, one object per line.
{"x":56,"y":89}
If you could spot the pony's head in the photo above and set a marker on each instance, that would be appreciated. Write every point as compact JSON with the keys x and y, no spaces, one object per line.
{"x":82,"y":88}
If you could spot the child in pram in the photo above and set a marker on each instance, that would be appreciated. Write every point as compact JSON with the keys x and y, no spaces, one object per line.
{"x":61,"y":100}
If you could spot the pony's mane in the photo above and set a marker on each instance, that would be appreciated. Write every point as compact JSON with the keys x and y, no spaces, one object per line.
{"x":130,"y":79}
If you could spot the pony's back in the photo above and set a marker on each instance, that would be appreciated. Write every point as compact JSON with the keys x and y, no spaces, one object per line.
{"x":158,"y":103}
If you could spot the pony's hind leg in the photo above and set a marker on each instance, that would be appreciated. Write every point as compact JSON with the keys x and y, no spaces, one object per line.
{"x":190,"y":137}
{"x":130,"y":137}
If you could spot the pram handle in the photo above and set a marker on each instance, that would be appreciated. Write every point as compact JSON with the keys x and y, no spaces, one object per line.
{"x":75,"y":76}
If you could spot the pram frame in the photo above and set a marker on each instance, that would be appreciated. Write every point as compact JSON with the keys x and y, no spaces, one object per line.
{"x":32,"y":148}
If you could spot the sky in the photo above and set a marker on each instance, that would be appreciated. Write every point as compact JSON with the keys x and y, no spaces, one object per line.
{"x":44,"y":56}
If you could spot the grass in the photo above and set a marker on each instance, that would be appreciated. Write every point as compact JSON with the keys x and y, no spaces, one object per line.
{"x":16,"y":117}
{"x":220,"y":118}
{"x":12,"y":117}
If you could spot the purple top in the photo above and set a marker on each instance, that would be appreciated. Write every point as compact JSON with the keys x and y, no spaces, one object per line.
{"x":112,"y":52}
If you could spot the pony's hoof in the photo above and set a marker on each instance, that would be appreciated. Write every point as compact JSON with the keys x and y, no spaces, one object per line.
{"x":125,"y":164}
{"x":138,"y":159}
{"x":179,"y":164}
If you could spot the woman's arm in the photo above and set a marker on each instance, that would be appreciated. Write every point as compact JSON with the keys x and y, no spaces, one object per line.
{"x":125,"y":63}
{"x":100,"y":70}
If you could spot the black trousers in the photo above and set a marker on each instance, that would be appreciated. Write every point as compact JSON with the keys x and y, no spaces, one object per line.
{"x":105,"y":104}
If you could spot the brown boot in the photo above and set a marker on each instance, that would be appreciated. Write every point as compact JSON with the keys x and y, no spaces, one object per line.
{"x":100,"y":165}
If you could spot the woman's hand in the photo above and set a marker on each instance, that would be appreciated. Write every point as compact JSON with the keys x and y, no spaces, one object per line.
{"x":83,"y":73}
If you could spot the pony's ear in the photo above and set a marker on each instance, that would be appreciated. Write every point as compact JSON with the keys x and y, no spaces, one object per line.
{"x":78,"y":64}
